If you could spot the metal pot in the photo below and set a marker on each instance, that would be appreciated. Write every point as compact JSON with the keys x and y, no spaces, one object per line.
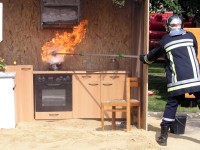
{"x":55,"y":67}
{"x":113,"y":64}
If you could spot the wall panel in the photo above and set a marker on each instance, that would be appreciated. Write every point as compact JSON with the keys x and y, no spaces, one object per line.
{"x":108,"y":32}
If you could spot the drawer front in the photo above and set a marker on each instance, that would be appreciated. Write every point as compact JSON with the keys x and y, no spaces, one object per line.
{"x":87,"y":77}
{"x":53,"y":115}
{"x":113,"y":77}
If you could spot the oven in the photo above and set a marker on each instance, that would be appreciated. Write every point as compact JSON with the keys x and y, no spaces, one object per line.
{"x":52,"y":96}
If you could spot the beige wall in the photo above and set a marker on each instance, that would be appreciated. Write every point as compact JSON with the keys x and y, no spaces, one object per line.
{"x":111,"y":30}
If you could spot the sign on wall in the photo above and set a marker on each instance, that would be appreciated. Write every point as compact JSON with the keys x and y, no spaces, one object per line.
{"x":1,"y":22}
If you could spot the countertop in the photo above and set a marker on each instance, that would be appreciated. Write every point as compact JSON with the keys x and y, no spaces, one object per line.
{"x":7,"y":74}
{"x":81,"y":71}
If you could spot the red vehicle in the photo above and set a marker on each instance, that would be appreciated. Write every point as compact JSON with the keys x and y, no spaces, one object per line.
{"x":157,"y":27}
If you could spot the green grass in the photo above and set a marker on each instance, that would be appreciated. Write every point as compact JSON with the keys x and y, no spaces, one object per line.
{"x":157,"y":83}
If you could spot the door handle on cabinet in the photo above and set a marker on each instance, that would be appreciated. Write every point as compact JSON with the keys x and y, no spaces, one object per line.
{"x":86,"y":77}
{"x":93,"y":84}
{"x":14,"y":87}
{"x":25,"y":69}
{"x":108,"y":84}
{"x":53,"y":115}
{"x":54,"y":84}
{"x":114,"y":77}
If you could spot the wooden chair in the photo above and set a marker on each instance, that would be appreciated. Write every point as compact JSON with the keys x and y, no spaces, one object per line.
{"x":120,"y":105}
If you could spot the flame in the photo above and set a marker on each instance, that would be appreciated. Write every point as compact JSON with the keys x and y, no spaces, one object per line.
{"x":64,"y":43}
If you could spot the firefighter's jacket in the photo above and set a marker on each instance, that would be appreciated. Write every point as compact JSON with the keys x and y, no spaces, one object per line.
{"x":182,"y":65}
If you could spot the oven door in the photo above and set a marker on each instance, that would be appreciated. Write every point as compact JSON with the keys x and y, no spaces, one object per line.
{"x":53,"y":96}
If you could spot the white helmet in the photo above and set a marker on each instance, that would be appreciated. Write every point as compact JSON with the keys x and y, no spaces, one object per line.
{"x":173,"y":23}
{"x":174,"y":26}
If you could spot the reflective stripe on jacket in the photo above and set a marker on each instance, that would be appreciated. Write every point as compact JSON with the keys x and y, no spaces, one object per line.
{"x":182,"y":65}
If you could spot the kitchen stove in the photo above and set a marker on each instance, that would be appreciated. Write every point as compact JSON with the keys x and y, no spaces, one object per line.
{"x":52,"y":95}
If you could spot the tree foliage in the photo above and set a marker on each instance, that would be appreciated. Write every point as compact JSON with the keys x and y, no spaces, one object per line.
{"x":185,"y":8}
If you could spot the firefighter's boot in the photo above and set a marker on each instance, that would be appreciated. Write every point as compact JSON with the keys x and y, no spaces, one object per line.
{"x":162,"y":139}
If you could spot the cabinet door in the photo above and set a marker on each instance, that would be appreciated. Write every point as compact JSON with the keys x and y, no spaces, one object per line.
{"x":14,"y":68}
{"x":23,"y":91}
{"x":26,"y":105}
{"x":86,"y":96}
{"x":7,"y":103}
{"x":113,"y":87}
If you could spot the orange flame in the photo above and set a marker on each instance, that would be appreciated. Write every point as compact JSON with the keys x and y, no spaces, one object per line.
{"x":64,"y":43}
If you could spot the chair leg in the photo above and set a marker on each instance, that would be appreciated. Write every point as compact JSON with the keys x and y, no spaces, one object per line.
{"x":113,"y":118}
{"x":102,"y":117}
{"x":139,"y":125}
{"x":128,"y":119}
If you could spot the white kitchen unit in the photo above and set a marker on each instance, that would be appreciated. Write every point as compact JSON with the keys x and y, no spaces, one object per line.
{"x":1,"y":22}
{"x":7,"y":100}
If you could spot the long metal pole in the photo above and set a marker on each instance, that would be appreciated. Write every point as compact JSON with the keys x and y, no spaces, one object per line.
{"x":98,"y":55}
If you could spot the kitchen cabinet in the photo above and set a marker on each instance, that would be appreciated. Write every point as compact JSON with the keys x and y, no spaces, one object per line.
{"x":90,"y":89}
{"x":86,"y":95}
{"x":23,"y":91}
{"x":7,"y":101}
{"x":52,"y":95}
{"x":113,"y":87}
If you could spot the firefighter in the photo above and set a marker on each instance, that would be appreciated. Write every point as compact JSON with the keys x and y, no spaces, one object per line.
{"x":179,"y":48}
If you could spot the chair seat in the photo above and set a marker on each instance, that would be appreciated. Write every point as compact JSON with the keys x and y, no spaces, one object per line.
{"x":114,"y":101}
{"x":120,"y":101}
{"x":123,"y":105}
{"x":135,"y":100}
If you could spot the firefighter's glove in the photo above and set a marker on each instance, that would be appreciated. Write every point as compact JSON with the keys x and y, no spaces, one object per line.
{"x":142,"y":59}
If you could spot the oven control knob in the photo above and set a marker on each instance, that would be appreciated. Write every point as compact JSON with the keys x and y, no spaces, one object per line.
{"x":58,"y":79}
{"x":43,"y":78}
{"x":68,"y":78}
{"x":40,"y":79}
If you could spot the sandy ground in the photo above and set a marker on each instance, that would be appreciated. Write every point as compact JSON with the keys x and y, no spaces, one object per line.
{"x":190,"y":140}
{"x":80,"y":134}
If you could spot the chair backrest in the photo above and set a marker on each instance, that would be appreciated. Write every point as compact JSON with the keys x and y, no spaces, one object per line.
{"x":132,"y":82}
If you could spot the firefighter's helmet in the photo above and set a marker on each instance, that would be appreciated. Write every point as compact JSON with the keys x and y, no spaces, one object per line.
{"x":173,"y":23}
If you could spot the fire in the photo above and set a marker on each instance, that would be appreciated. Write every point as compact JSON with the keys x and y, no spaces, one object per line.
{"x":64,"y":43}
